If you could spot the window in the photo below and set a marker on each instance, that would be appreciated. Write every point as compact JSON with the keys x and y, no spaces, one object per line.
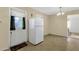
{"x":18,"y":22}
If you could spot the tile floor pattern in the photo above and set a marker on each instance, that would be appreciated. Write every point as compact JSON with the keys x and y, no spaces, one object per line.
{"x":54,"y":43}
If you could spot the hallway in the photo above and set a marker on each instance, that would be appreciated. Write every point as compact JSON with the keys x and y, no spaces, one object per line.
{"x":54,"y":43}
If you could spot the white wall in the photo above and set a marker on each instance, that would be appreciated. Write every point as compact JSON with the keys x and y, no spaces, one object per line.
{"x":46,"y":25}
{"x":4,"y":28}
{"x":58,"y":25}
{"x":74,"y":23}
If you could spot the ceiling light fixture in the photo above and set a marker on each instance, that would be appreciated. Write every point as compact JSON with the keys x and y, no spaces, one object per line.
{"x":60,"y":13}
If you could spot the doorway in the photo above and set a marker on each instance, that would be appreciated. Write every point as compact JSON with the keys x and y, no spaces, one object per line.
{"x":18,"y":31}
{"x":73,"y":26}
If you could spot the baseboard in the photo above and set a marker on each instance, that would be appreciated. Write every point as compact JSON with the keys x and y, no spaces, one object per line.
{"x":7,"y":49}
{"x":45,"y":35}
{"x":74,"y":33}
{"x":55,"y":35}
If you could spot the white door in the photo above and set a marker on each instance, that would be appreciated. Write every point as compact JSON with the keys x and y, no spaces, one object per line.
{"x":18,"y":35}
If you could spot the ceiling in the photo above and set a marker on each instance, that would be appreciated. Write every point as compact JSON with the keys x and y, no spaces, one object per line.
{"x":53,"y":10}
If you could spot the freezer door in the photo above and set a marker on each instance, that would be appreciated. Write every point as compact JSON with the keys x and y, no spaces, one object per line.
{"x":39,"y":35}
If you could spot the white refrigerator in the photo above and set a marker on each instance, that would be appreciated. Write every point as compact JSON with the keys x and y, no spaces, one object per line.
{"x":36,"y":34}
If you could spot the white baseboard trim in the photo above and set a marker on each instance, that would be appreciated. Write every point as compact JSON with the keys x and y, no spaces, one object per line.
{"x":5,"y":49}
{"x":54,"y":34}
